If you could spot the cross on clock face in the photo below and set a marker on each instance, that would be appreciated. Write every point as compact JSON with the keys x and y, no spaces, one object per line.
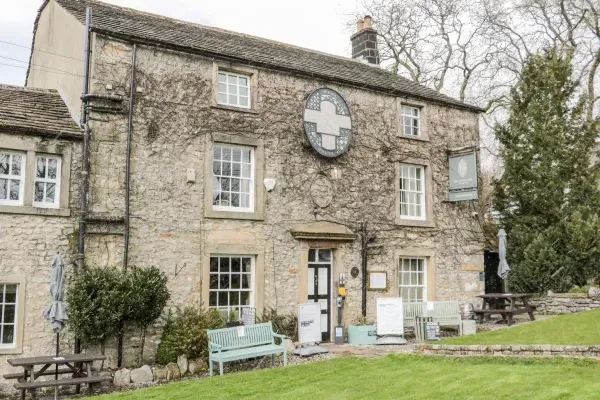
{"x":327,"y":122}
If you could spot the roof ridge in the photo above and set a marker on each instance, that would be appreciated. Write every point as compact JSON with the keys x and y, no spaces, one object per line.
{"x":216,"y":28}
{"x":28,"y":89}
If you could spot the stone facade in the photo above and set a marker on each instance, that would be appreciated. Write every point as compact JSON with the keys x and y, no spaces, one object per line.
{"x":565,"y":303}
{"x":175,"y":123}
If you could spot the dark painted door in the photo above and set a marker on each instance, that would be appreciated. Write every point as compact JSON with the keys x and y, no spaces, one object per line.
{"x":493,"y":283}
{"x":319,"y":286}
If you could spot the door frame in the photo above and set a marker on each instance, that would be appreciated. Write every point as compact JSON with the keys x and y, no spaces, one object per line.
{"x":329,"y":267}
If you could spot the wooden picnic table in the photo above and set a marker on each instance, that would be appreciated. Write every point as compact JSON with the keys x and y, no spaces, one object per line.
{"x":505,"y":304}
{"x":79,"y":365}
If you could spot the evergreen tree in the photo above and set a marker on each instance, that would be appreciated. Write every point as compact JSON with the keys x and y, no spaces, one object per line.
{"x":549,"y":185}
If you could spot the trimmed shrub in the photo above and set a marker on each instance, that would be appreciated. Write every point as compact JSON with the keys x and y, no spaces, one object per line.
{"x":185,"y":333}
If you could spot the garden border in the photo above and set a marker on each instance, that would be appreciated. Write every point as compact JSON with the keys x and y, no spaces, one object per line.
{"x":511,"y":350}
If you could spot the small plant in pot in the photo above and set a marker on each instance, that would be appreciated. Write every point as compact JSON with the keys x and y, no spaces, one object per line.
{"x":361,"y":332}
{"x":233,"y":320}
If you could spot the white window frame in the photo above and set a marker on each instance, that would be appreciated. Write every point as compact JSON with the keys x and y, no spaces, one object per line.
{"x":251,"y":180}
{"x":252,"y":289}
{"x":410,"y":285}
{"x":57,"y":181}
{"x":15,"y":323}
{"x":420,"y":195}
{"x":408,"y":119}
{"x":20,"y":178}
{"x":228,"y":74}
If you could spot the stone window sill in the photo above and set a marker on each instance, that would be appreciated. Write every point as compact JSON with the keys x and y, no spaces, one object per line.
{"x":255,"y":216}
{"x":416,"y":223}
{"x":29,"y":210}
{"x":417,"y":138}
{"x":232,"y":108}
{"x":9,"y":351}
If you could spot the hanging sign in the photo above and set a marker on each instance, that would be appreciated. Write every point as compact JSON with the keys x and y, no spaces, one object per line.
{"x":327,"y":122}
{"x":309,"y":323}
{"x":463,"y":177}
{"x":390,"y":316}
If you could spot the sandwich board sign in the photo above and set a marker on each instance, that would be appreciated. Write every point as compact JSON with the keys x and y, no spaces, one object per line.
{"x":309,"y":323}
{"x":390,"y":316}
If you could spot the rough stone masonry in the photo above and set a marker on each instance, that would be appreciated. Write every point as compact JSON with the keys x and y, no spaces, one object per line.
{"x":177,"y":121}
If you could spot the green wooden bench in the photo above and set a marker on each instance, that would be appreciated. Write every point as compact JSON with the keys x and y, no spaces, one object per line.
{"x":243,"y":342}
{"x":446,"y":313}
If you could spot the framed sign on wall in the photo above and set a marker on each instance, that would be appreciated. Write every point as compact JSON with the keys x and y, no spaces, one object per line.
{"x":377,"y":280}
{"x":463,"y":177}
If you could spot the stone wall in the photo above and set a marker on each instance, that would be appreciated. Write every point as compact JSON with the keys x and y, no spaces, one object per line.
{"x":565,"y":303}
{"x":510,"y":350}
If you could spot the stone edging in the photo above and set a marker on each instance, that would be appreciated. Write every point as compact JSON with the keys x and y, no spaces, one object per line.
{"x":510,"y":350}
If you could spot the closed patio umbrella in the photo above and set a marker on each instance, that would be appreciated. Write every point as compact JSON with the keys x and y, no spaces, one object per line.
{"x":56,"y":313}
{"x":503,"y":268}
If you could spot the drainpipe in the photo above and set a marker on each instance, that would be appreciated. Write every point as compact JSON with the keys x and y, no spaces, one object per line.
{"x":364,"y":242}
{"x":128,"y":157}
{"x":85,"y":184}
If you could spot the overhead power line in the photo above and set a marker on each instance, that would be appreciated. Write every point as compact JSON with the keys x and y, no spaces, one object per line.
{"x":43,"y":70}
{"x":43,"y":66}
{"x":41,"y":51}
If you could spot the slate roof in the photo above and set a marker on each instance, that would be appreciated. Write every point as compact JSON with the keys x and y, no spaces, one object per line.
{"x":186,"y":36}
{"x":34,"y":111}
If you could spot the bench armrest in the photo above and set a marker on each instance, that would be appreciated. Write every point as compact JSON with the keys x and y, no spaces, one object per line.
{"x":282,"y":337}
{"x":214,"y":348}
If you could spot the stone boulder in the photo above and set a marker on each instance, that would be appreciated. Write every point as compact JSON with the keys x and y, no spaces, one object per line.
{"x":142,"y":374}
{"x":196,"y":366}
{"x":159,"y":373}
{"x":183,"y":364}
{"x":173,"y":372}
{"x":122,"y":377}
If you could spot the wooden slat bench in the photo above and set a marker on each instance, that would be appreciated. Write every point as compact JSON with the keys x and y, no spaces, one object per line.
{"x":48,"y":372}
{"x":61,"y":382}
{"x":446,"y":313}
{"x":243,"y":342}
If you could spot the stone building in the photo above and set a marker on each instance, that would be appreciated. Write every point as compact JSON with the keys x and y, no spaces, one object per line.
{"x":252,"y":172}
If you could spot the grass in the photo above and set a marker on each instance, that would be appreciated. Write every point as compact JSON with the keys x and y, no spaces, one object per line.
{"x":394,"y":377}
{"x":572,"y":329}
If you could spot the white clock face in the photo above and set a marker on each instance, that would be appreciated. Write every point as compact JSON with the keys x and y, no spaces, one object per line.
{"x":327,"y":122}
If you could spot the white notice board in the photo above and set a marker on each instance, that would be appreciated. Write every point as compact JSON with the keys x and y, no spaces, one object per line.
{"x":309,"y":323}
{"x":390,"y":316}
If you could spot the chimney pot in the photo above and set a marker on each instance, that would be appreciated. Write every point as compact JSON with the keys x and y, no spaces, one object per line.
{"x":360,"y":25}
{"x":368,"y":22}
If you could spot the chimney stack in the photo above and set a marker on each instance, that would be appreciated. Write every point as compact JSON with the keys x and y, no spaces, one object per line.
{"x":364,"y":42}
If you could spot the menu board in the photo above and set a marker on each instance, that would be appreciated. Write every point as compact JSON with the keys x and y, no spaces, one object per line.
{"x":248,"y":315}
{"x":390,"y":316}
{"x":309,"y":323}
{"x":432,"y":331}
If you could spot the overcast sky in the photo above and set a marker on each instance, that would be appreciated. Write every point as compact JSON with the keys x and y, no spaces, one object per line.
{"x":315,"y":24}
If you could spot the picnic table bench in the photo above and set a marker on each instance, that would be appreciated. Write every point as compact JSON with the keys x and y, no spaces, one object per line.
{"x":79,"y":365}
{"x":496,"y":303}
{"x":243,"y":342}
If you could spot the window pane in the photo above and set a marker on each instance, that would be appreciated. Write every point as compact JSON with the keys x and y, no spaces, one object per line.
{"x":232,"y":99}
{"x":245,"y":297}
{"x":232,"y":89}
{"x":232,"y":79}
{"x":10,"y":293}
{"x":246,"y":264}
{"x":236,"y":169}
{"x":245,"y":281}
{"x":224,"y":281}
{"x":214,"y":281}
{"x":222,"y":78}
{"x":52,"y":168}
{"x":246,"y":155}
{"x":226,"y":168}
{"x":243,"y":101}
{"x":40,"y":167}
{"x":9,"y":314}
{"x":235,"y":264}
{"x":324,"y":255}
{"x":214,"y":264}
{"x":224,"y":264}
{"x":243,"y":81}
{"x":223,"y":299}
{"x":235,"y":200}
{"x":38,"y":194}
{"x":222,"y":88}
{"x":222,"y":98}
{"x":234,"y":299}
{"x":16,"y":165}
{"x":50,"y":188}
{"x":245,"y":200}
{"x":225,"y":183}
{"x":245,"y":186}
{"x":226,"y":153}
{"x":243,"y":91}
{"x":236,"y":281}
{"x":312,"y":255}
{"x":212,"y":299}
{"x":4,"y":164}
{"x":224,"y":199}
{"x":8,"y":334}
{"x":3,"y":189}
{"x":15,"y":187}
{"x":246,"y":170}
{"x":217,"y":167}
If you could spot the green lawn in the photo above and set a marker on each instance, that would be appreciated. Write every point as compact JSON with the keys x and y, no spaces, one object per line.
{"x":393,"y":377}
{"x":572,"y":329}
